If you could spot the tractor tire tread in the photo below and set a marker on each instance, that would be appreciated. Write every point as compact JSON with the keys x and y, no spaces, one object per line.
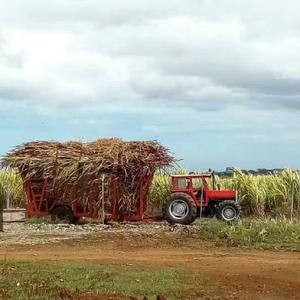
{"x":190,"y":218}
{"x":225,"y":203}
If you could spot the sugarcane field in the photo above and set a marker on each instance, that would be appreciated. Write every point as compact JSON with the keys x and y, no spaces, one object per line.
{"x":149,"y":150}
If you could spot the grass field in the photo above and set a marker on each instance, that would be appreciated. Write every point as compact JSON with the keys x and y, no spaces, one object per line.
{"x":56,"y":280}
{"x":280,"y":233}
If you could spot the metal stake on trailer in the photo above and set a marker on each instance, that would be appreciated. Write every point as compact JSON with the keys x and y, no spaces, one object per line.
{"x":102,"y":203}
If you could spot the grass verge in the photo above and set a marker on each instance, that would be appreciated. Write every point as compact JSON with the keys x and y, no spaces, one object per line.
{"x":63,"y":280}
{"x":253,"y":233}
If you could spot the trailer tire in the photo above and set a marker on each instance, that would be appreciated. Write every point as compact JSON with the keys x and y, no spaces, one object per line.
{"x":180,"y":208}
{"x":228,"y":210}
{"x":62,"y":213}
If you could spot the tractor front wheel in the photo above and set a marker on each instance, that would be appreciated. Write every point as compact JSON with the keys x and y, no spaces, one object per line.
{"x":180,"y":208}
{"x":228,"y":210}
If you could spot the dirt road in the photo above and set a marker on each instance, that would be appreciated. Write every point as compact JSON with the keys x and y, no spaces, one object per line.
{"x":217,"y":272}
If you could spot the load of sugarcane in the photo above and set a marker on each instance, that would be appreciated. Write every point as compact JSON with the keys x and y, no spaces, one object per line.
{"x":75,"y":164}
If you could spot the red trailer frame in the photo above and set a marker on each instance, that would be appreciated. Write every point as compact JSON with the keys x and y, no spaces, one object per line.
{"x":41,"y":201}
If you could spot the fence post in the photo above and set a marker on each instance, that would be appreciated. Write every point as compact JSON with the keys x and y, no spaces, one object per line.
{"x":7,"y":199}
{"x":1,"y":214}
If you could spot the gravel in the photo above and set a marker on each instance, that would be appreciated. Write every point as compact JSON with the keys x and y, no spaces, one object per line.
{"x":44,"y":233}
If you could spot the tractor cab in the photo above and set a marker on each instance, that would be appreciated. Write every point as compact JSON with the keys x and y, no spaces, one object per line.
{"x":193,"y":182}
{"x":202,"y":186}
{"x":198,"y":194}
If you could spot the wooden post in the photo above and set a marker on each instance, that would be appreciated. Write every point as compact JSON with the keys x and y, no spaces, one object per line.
{"x":7,"y":193}
{"x":102,"y":202}
{"x":1,"y":215}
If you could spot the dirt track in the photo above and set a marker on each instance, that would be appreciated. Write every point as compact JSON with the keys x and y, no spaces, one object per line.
{"x":218,"y":272}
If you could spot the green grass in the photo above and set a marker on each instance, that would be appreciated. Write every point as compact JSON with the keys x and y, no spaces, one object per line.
{"x":51,"y":280}
{"x":253,"y":233}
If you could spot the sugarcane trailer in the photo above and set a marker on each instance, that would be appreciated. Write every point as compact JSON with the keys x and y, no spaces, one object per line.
{"x":192,"y":196}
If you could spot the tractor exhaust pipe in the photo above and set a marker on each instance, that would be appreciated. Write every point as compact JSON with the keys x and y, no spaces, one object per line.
{"x":213,"y":180}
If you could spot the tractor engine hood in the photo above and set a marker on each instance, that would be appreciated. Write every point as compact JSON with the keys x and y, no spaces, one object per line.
{"x":223,"y":194}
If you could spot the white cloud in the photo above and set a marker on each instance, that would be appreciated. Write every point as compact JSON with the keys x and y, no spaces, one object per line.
{"x":130,"y":56}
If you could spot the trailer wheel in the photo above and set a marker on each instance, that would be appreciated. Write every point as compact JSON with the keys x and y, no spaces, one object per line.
{"x":62,"y":213}
{"x":228,"y":210}
{"x":180,"y":208}
{"x":76,"y":220}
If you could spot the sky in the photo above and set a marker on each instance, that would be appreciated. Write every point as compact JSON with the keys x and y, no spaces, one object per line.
{"x":216,"y":81}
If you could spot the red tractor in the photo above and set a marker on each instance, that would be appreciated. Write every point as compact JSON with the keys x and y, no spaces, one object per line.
{"x":196,"y":195}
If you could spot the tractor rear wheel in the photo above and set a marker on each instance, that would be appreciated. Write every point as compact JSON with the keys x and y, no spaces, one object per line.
{"x":180,"y":208}
{"x":62,"y":213}
{"x":228,"y":210}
